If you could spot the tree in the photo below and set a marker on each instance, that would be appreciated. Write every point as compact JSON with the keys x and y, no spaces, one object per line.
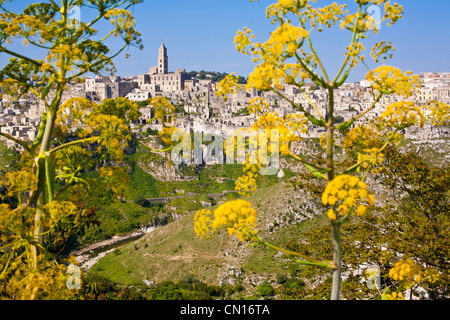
{"x":289,"y":57}
{"x":74,"y":136}
{"x":419,"y":221}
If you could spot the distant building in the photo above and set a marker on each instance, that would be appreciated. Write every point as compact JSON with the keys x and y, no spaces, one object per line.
{"x":109,"y":87}
{"x":160,"y":78}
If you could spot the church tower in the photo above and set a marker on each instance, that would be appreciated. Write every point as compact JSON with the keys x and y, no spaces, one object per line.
{"x":163,"y":60}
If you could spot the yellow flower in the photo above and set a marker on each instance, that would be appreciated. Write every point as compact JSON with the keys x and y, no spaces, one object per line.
{"x":163,"y":109}
{"x":346,"y":193}
{"x":361,"y":210}
{"x":370,"y":199}
{"x":403,"y":114}
{"x":59,"y":210}
{"x":237,"y":216}
{"x":258,"y":105}
{"x":407,"y":271}
{"x":393,"y":296}
{"x":361,"y":137}
{"x":19,"y":182}
{"x":288,"y":130}
{"x":227,"y":86}
{"x":439,"y":113}
{"x":390,"y":80}
{"x":331,"y":214}
{"x":342,"y":194}
{"x":202,"y":222}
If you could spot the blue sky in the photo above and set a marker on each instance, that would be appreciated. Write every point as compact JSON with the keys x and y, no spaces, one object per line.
{"x":199,"y":35}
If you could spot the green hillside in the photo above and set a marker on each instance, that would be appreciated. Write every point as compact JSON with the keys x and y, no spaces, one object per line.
{"x":289,"y":216}
{"x":172,"y":251}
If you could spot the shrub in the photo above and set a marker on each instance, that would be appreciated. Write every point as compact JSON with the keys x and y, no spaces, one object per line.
{"x":281,"y":278}
{"x":265,"y":289}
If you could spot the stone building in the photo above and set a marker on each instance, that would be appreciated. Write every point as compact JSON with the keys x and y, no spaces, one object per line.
{"x":160,"y":78}
{"x":109,"y":87}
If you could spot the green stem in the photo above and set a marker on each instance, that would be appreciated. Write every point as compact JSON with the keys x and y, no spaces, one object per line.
{"x":330,"y":134}
{"x":317,"y":79}
{"x":50,"y":177}
{"x":336,"y":282}
{"x":19,"y":142}
{"x":54,"y":150}
{"x":310,"y":117}
{"x":18,"y":55}
{"x":335,"y":226}
{"x":355,"y":166}
{"x":347,"y":58}
{"x":315,"y":53}
{"x":371,"y":107}
{"x":41,"y":174}
{"x":309,"y":260}
{"x":40,"y":202}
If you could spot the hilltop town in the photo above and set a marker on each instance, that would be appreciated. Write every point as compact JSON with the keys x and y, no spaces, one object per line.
{"x":199,"y":108}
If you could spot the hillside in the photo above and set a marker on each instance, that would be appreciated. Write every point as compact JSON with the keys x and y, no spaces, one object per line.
{"x":172,"y":251}
{"x":286,"y":213}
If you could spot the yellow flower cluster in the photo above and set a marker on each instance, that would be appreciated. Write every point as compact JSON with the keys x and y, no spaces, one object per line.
{"x":271,"y":55}
{"x":264,"y":76}
{"x":59,"y":210}
{"x":361,"y":137}
{"x":163,"y":109}
{"x":294,"y":73}
{"x":70,"y":161}
{"x":246,"y":184}
{"x":114,"y":134}
{"x":345,"y":194}
{"x":410,"y":274}
{"x":49,"y":282}
{"x":402,"y":114}
{"x":363,"y":22}
{"x":390,"y":80}
{"x":242,"y":40}
{"x":393,"y":296}
{"x":406,"y":270}
{"x":72,"y":114}
{"x":226,"y":86}
{"x":258,"y":105}
{"x":122,"y":108}
{"x":116,"y":178}
{"x":381,"y":49}
{"x":431,"y":275}
{"x":326,"y":16}
{"x":297,"y":122}
{"x":371,"y":157}
{"x":18,"y":182}
{"x":202,"y":223}
{"x":12,"y":88}
{"x":393,"y":12}
{"x":283,"y":7}
{"x":285,"y":35}
{"x":166,"y":135}
{"x":288,"y":129}
{"x":354,"y":50}
{"x":440,"y":113}
{"x":237,"y":216}
{"x":123,"y":21}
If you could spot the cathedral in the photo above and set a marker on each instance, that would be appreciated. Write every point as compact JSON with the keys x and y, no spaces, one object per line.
{"x":160,"y":78}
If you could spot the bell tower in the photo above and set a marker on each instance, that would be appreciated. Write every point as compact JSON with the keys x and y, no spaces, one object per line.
{"x":163,"y":60}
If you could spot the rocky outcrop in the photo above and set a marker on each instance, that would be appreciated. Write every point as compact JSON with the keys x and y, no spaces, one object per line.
{"x":426,"y":133}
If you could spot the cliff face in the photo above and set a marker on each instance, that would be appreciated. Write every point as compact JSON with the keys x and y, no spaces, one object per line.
{"x":164,"y":171}
{"x":158,"y":164}
{"x":428,"y":132}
